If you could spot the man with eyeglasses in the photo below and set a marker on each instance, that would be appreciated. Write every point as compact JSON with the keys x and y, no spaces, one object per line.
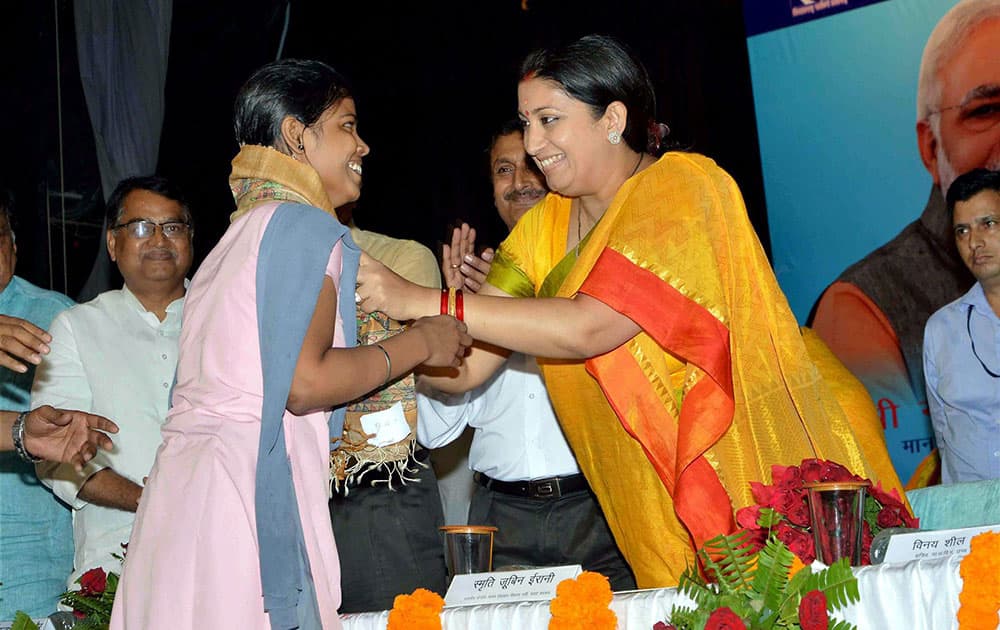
{"x":962,"y":339}
{"x":873,"y":316}
{"x":116,"y":356}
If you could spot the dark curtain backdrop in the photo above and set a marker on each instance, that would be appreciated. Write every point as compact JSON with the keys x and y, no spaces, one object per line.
{"x":432,"y":80}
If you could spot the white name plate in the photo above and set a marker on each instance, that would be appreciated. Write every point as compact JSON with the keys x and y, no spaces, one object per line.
{"x":528,"y":585}
{"x":933,"y":543}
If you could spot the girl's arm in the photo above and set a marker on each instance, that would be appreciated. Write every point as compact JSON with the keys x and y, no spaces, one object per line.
{"x":325,"y":377}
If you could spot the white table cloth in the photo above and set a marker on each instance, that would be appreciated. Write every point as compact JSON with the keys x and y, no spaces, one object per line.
{"x":920,"y":595}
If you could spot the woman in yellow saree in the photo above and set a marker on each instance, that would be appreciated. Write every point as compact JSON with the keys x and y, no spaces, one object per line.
{"x":675,"y":366}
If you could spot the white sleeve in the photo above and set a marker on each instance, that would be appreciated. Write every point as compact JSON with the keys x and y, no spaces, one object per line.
{"x":441,"y":418}
{"x":61,"y":381}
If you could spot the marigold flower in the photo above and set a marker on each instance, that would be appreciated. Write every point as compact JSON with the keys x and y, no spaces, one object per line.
{"x":583,"y":603}
{"x":979,"y":600}
{"x":420,"y":610}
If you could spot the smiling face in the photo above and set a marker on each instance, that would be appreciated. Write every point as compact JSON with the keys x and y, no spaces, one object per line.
{"x":517,"y":184}
{"x":966,"y":132}
{"x":334,"y":149}
{"x":562,"y":135}
{"x":977,"y":235}
{"x":156,"y":263}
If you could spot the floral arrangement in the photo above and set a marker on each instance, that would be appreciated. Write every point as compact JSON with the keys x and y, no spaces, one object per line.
{"x":783,"y":508}
{"x":761,"y":589}
{"x":583,"y":603}
{"x":419,"y":611}
{"x":92,"y":604}
{"x":979,"y":600}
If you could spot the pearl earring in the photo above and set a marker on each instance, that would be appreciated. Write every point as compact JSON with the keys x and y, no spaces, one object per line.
{"x":614,"y":137}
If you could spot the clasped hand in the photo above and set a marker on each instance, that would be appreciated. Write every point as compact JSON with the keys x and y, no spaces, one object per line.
{"x":379,"y":289}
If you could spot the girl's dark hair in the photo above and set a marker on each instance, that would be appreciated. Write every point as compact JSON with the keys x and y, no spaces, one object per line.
{"x":301,"y":88}
{"x":598,"y":70}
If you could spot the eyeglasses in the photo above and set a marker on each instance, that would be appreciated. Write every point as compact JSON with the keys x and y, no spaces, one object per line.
{"x":976,"y":114}
{"x":144,"y":228}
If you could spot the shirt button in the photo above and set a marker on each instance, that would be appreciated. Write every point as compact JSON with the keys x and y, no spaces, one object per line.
{"x":996,"y":453}
{"x":163,"y":356}
{"x":532,"y":396}
{"x":166,"y":385}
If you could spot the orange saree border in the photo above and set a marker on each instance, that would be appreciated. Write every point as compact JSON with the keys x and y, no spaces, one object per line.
{"x":690,"y":332}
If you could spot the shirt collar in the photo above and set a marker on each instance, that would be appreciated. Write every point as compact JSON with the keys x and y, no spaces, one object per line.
{"x":976,"y":297}
{"x":173,"y":309}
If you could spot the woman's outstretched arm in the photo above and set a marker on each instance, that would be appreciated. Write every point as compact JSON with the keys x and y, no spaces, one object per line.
{"x":559,"y":328}
{"x":325,"y":377}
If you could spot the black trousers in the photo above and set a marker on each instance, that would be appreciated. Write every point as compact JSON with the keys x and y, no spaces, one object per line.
{"x":388,"y":542}
{"x":551,"y":532}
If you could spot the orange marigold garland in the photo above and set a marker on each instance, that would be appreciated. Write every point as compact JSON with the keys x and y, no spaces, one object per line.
{"x":419,"y":611}
{"x":979,"y":600}
{"x":583,"y":603}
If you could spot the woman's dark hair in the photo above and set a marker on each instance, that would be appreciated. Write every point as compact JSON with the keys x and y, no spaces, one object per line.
{"x":598,"y":70}
{"x":115,"y":206}
{"x":301,"y":88}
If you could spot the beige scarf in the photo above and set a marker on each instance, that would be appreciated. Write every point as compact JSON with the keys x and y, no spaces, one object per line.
{"x":262,"y":174}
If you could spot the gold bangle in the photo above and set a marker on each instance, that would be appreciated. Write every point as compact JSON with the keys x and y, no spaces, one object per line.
{"x":388,"y":363}
{"x":451,"y":301}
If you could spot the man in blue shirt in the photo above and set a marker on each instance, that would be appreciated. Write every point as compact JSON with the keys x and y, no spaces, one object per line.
{"x":36,"y":531}
{"x":962,"y":340}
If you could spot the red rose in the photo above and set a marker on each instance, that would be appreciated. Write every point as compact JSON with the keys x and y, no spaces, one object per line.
{"x":811,"y":470}
{"x":724,"y":619}
{"x":885,"y":499}
{"x":747,"y":517}
{"x":797,"y":512}
{"x":888,"y":517}
{"x":662,"y":626}
{"x":866,"y":543}
{"x":790,"y":479}
{"x":93,"y":582}
{"x":812,"y":611}
{"x":761,"y":493}
{"x":891,"y":500}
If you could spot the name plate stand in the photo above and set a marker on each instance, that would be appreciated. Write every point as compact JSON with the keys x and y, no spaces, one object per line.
{"x":527,"y":585}
{"x":933,"y":543}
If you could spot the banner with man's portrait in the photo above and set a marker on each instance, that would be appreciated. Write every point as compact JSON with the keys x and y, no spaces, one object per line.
{"x":847,"y":169}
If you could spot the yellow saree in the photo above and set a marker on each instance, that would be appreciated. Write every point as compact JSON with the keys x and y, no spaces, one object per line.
{"x":671,"y":427}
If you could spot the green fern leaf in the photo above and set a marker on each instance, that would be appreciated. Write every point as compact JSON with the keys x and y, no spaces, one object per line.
{"x":839,"y":624}
{"x":837,"y":582}
{"x":23,"y":622}
{"x":691,"y":584}
{"x":771,"y":578}
{"x":730,"y":560}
